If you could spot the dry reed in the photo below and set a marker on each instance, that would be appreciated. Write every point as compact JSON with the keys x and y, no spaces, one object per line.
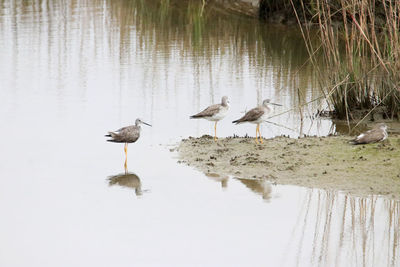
{"x":360,"y":44}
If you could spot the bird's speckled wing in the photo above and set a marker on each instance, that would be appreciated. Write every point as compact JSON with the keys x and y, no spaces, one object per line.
{"x":208,"y":112}
{"x":126,"y":128}
{"x":127,"y":134}
{"x":251,"y":115}
{"x":370,"y":136}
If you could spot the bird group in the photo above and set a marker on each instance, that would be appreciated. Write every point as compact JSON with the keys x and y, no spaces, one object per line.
{"x":256,"y":115}
{"x":217,"y":112}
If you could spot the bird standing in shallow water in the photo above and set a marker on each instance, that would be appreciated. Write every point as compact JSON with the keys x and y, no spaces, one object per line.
{"x":377,"y":134}
{"x":257,"y":115}
{"x":214,"y":113}
{"x":128,"y":134}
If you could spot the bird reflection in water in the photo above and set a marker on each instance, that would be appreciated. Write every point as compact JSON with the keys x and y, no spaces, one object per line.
{"x":127,"y":179}
{"x":218,"y":178}
{"x":262,"y":187}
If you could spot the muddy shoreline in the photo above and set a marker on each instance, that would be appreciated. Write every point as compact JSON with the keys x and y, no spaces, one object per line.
{"x":316,"y":162}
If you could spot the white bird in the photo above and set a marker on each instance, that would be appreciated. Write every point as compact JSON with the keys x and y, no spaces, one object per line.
{"x":214,"y":113}
{"x":377,"y":134}
{"x":258,"y":115}
{"x":128,"y":134}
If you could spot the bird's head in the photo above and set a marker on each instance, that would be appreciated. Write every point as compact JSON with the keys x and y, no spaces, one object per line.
{"x":225,"y":101}
{"x":139,"y":121}
{"x":267,"y":102}
{"x":381,"y":126}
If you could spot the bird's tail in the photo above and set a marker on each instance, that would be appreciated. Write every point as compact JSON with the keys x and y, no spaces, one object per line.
{"x":110,"y":134}
{"x":195,"y":117}
{"x":236,"y":121}
{"x":354,"y":142}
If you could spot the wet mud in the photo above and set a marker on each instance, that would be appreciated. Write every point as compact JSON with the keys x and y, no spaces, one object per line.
{"x":316,"y":162}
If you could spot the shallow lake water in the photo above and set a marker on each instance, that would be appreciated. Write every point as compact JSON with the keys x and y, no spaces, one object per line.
{"x":72,"y":70}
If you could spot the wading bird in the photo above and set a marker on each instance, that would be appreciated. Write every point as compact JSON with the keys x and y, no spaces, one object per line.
{"x":128,"y":134}
{"x":214,"y":113}
{"x":377,"y":134}
{"x":257,"y":115}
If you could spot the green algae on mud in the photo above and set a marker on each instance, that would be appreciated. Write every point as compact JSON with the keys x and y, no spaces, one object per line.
{"x":317,"y":162}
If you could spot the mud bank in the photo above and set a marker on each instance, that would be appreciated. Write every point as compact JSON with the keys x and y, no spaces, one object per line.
{"x":317,"y":162}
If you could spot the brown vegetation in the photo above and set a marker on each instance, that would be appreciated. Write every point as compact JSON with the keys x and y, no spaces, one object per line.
{"x":360,"y":44}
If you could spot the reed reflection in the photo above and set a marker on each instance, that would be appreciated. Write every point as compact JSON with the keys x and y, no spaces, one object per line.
{"x":335,"y":229}
{"x":157,"y":50}
{"x":188,"y":31}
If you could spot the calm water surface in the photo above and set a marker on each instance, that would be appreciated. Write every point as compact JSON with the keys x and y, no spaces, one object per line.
{"x":72,"y":70}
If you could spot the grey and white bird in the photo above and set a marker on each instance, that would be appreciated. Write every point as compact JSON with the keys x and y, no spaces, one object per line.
{"x":376,"y":134}
{"x":258,"y":115}
{"x":128,"y":134}
{"x":214,"y":113}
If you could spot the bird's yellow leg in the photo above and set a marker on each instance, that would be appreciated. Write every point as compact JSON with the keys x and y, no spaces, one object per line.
{"x":126,"y":150}
{"x":215,"y":131}
{"x":259,"y":134}
{"x":256,"y":134}
{"x":126,"y":158}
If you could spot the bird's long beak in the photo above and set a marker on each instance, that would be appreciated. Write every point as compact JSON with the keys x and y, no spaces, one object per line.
{"x":275,"y":104}
{"x":146,"y":124}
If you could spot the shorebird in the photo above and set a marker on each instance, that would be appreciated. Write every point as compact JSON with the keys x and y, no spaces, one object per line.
{"x":214,"y":113}
{"x":257,"y":115}
{"x":128,"y":134}
{"x":376,"y":134}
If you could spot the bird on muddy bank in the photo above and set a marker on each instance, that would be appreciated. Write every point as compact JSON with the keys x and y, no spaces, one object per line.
{"x":214,"y":113}
{"x":376,"y":134}
{"x":257,"y":116}
{"x":128,"y":134}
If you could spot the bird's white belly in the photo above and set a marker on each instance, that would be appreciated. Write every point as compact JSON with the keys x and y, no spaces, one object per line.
{"x":360,"y":136}
{"x":385,"y":135}
{"x":220,"y":115}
